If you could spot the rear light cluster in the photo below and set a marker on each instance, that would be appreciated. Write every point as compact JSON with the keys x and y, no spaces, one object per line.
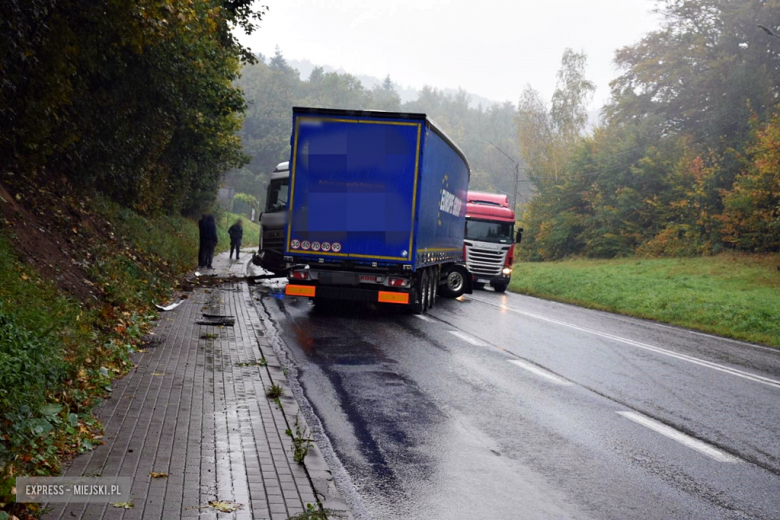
{"x":299,"y":275}
{"x":397,"y":282}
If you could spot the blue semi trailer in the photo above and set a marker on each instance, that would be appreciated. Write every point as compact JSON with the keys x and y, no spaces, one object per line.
{"x":377,"y":209}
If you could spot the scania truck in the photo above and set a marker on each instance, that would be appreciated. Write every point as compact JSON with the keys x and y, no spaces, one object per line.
{"x":489,"y":245}
{"x":377,"y":209}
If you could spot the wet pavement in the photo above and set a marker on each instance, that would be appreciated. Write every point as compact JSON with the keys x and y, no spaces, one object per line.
{"x":505,"y":406}
{"x":194,"y":412}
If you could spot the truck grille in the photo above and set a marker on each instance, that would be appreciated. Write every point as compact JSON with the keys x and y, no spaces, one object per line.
{"x":485,"y":262}
{"x":274,"y":244}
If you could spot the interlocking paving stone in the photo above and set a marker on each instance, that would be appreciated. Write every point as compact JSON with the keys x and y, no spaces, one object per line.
{"x":189,"y":410}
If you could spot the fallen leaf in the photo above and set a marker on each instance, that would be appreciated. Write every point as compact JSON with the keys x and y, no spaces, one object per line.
{"x":75,"y":230}
{"x":158,"y":373}
{"x":24,"y":276}
{"x":224,"y":506}
{"x":155,"y":474}
{"x":123,"y":505}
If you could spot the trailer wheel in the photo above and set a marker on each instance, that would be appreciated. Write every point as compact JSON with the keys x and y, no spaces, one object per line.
{"x":434,"y":287}
{"x":419,"y":306}
{"x":455,"y":285}
{"x":425,"y":286}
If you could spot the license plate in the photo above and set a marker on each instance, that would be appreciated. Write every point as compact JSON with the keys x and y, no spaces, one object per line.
{"x":482,"y":280}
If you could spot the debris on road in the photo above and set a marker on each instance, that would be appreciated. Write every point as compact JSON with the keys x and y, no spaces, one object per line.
{"x":217,"y":320}
{"x":169,"y":307}
{"x":225,"y":506}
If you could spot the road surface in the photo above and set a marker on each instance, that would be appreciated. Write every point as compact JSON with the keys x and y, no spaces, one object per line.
{"x":506,"y":406}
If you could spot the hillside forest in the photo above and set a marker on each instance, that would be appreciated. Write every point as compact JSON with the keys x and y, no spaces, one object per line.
{"x":272,"y":87}
{"x":684,"y":161}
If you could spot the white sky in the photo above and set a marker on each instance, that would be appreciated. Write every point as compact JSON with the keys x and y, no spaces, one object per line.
{"x":489,"y":47}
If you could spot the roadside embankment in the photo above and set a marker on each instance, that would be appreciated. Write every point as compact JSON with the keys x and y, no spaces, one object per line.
{"x":731,"y":295}
{"x":79,"y":277}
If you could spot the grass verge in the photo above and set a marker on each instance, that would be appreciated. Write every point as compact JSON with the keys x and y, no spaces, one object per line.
{"x":731,"y":295}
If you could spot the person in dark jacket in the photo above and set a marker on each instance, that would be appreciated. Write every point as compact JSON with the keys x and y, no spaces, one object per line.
{"x":209,"y":238}
{"x":236,"y":233}
{"x":201,"y":249}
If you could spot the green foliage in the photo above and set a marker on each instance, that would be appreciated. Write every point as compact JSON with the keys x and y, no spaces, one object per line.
{"x":731,"y":295}
{"x":274,"y":391}
{"x":316,"y":512}
{"x":301,"y":442}
{"x":686,"y":163}
{"x":133,"y":97}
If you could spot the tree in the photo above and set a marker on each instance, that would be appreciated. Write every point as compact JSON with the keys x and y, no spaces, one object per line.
{"x":385,"y":97}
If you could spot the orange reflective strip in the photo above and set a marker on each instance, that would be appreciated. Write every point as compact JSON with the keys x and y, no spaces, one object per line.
{"x":393,"y":297}
{"x":300,"y":290}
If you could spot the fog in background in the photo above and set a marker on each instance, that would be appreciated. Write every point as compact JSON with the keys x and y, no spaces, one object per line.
{"x":490,"y":48}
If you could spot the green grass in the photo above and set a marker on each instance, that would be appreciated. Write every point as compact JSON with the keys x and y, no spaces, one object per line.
{"x":736,"y":296}
{"x":251,"y":230}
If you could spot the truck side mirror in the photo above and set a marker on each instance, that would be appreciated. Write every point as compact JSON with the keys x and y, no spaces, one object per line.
{"x":260,"y":217}
{"x":519,"y":235}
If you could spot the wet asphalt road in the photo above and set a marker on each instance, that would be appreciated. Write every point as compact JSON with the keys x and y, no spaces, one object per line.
{"x":506,"y":406}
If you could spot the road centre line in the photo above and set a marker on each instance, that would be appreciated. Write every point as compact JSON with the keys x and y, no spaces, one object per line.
{"x":539,"y":372}
{"x":678,"y":436}
{"x":684,"y":357}
{"x":468,"y":338}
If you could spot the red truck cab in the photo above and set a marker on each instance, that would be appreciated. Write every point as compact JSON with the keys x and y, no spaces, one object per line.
{"x":489,"y":244}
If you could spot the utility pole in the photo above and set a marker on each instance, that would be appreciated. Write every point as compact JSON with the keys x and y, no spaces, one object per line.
{"x":517,"y":172}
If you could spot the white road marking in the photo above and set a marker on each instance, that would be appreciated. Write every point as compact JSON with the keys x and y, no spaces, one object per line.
{"x":470,"y":339}
{"x":684,"y":357}
{"x":685,"y":440}
{"x":424,"y":318}
{"x":539,"y":372}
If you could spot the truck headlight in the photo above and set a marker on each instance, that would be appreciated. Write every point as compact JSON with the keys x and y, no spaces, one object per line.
{"x":507,"y":271}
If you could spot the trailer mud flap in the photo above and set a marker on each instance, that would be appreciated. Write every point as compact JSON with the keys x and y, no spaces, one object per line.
{"x":300,"y":290}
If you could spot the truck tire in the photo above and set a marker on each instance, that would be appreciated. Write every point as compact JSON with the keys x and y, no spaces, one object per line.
{"x":500,"y":287}
{"x":419,"y":306}
{"x":434,"y":287}
{"x":426,"y":289}
{"x":455,"y":284}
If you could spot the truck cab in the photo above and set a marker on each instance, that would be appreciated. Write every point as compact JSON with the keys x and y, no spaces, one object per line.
{"x":273,"y":220}
{"x":489,"y":243}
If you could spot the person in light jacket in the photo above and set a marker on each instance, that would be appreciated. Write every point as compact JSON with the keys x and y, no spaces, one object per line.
{"x":208,"y":235}
{"x":236,"y":233}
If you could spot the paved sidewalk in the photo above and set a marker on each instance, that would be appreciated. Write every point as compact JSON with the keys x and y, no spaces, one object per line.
{"x":195,"y":408}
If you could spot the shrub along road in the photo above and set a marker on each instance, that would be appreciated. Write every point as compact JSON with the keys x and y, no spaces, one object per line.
{"x":507,"y":406}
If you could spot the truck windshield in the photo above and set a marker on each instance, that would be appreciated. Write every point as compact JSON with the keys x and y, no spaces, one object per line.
{"x":489,"y":231}
{"x":277,"y":196}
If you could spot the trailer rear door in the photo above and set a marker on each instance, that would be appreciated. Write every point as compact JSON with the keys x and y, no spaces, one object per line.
{"x":353,"y":187}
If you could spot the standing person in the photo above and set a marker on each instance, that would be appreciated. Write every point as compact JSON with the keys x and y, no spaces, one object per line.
{"x":236,"y":233}
{"x":210,"y":239}
{"x":201,"y":248}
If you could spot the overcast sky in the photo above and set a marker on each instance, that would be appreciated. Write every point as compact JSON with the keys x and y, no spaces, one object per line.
{"x":489,"y":47}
